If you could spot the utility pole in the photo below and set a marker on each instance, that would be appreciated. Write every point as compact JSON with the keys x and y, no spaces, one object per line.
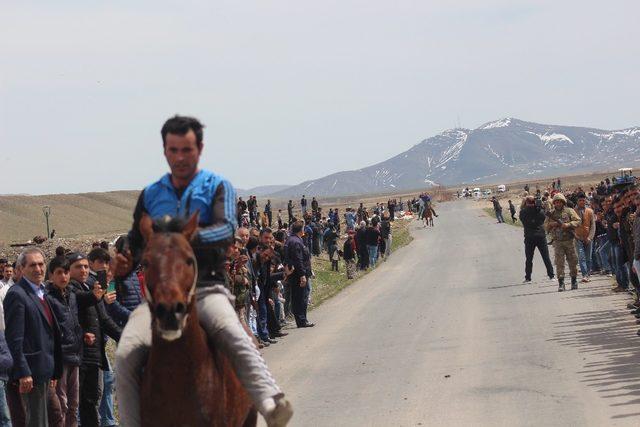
{"x":46,"y":210}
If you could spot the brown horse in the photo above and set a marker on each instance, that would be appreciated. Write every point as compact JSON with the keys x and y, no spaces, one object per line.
{"x":186,"y":381}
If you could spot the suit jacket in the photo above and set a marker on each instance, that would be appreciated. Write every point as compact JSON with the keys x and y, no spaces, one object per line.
{"x":33,"y":342}
{"x":297,"y":256}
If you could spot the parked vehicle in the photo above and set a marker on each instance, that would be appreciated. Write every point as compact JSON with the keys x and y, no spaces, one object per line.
{"x":502,"y":188}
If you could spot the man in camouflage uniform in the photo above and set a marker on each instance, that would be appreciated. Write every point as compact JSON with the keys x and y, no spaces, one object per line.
{"x":561,"y":223}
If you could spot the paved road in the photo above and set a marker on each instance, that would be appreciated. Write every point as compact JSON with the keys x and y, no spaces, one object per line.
{"x":445,"y":334}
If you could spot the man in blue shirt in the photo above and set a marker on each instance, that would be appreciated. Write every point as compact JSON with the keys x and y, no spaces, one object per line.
{"x":184,"y":191}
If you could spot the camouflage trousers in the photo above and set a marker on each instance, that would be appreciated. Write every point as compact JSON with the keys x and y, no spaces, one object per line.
{"x":565,"y":249}
{"x":351,"y":269}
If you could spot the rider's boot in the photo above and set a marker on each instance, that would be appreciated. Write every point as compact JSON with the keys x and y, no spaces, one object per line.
{"x":560,"y":284}
{"x":280,"y":415}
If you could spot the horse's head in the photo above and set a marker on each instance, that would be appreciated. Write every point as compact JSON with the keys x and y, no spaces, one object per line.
{"x":170,"y":270}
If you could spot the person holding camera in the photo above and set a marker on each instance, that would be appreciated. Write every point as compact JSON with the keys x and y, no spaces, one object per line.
{"x":532,"y":217}
{"x":95,"y":323}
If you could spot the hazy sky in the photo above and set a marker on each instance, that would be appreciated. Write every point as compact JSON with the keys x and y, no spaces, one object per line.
{"x":292,"y":90}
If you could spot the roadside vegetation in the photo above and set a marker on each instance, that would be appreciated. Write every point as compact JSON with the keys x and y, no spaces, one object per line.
{"x":505,"y":214}
{"x":327,"y":283}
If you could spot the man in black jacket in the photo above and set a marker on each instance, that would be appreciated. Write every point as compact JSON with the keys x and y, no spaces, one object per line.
{"x":349,"y":254}
{"x":361,"y":245}
{"x":64,"y":305}
{"x":532,"y":217}
{"x":268,"y":212}
{"x":298,"y":259}
{"x":290,"y":211}
{"x":385,"y":234}
{"x":95,"y":323}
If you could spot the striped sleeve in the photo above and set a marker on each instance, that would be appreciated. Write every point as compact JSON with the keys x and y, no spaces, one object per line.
{"x":223,"y":215}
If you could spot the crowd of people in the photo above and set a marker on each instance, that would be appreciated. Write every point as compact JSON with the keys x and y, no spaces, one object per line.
{"x":57,"y":317}
{"x":593,"y":230}
{"x":265,"y":261}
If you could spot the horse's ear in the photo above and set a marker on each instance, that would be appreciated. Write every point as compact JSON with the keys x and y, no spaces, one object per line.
{"x":146,"y":227}
{"x":192,"y":225}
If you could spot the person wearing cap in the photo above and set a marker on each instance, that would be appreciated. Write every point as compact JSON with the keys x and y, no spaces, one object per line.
{"x":183,"y":192}
{"x":95,"y":323}
{"x":561,"y":223}
{"x":532,"y":218}
{"x":33,"y":337}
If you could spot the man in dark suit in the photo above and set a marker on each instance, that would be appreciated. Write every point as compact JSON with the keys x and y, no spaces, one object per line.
{"x":33,"y":339}
{"x":297,"y":257}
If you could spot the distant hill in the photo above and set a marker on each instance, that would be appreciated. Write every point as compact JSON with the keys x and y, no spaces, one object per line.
{"x":21,"y":217}
{"x":502,"y":150}
{"x":261,"y":191}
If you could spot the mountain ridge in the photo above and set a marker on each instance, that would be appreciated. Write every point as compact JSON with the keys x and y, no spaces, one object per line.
{"x":507,"y":149}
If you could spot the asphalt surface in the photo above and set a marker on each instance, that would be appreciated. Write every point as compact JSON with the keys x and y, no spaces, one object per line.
{"x":445,"y":334}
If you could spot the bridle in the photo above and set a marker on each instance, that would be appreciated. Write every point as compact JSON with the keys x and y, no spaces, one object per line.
{"x":192,"y":290}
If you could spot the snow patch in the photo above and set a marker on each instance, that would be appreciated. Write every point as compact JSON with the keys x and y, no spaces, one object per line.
{"x":453,"y":152}
{"x":502,"y":123}
{"x":548,"y":138}
{"x":610,"y":135}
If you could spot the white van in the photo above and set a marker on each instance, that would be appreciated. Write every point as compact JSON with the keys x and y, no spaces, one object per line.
{"x":502,"y":188}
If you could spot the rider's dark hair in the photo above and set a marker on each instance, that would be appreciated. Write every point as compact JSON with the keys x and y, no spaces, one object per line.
{"x":181,"y":125}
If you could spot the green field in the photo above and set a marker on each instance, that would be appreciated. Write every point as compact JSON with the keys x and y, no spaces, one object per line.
{"x":328,"y":283}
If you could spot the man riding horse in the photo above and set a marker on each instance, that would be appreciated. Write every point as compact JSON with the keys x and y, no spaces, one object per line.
{"x":181,"y":193}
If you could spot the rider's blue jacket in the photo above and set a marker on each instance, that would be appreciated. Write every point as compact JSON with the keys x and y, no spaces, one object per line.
{"x":208,"y":193}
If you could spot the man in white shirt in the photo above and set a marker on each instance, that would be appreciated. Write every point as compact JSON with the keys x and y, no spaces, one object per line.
{"x":7,"y":276}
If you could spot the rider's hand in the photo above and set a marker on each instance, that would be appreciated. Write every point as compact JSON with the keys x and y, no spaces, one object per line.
{"x":280,"y":415}
{"x":303,"y":281}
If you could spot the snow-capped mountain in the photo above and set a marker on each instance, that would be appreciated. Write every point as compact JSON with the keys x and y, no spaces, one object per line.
{"x":505,"y":149}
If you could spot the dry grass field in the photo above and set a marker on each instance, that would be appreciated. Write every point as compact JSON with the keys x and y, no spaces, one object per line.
{"x":72,"y":215}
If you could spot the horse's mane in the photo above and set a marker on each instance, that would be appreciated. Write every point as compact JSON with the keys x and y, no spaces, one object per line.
{"x":169,"y":224}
